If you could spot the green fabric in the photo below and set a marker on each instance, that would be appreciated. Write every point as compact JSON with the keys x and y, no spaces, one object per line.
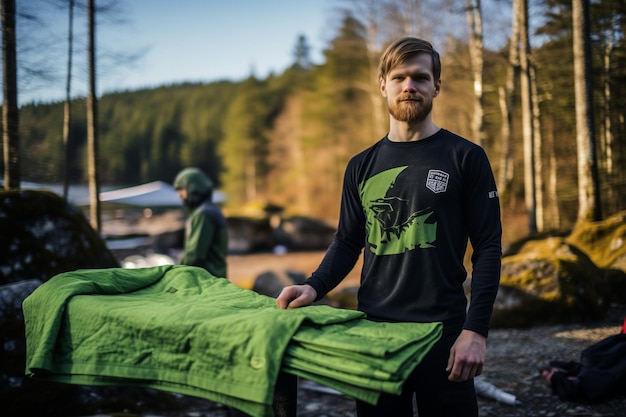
{"x":337,"y":356}
{"x":391,"y":353}
{"x":180,"y":329}
{"x":206,"y":240}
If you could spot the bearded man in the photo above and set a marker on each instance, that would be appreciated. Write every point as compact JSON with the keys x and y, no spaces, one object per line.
{"x":411,"y":202}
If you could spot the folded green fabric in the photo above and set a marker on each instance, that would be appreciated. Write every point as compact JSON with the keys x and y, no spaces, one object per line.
{"x":336,"y":355}
{"x":389,"y":344}
{"x":178,"y":328}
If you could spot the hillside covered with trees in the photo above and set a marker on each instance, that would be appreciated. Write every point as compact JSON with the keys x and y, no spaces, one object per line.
{"x":285,"y":140}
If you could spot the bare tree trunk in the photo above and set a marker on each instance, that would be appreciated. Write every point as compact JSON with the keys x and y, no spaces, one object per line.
{"x":588,"y":196}
{"x":92,"y":125}
{"x":552,"y":195}
{"x":537,"y":148}
{"x":507,"y":104}
{"x":67,"y":109}
{"x":370,"y":13}
{"x":474,"y":17}
{"x":505,"y":174}
{"x":607,"y":137}
{"x":10,"y":111}
{"x":529,"y":163}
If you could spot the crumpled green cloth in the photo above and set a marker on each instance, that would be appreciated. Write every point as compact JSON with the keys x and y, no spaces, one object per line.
{"x":178,"y":328}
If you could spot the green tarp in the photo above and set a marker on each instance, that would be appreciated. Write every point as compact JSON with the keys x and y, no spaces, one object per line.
{"x":177,"y":328}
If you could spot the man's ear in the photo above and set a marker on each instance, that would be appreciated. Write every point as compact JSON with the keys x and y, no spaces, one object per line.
{"x":383,"y":90}
{"x":437,"y":88}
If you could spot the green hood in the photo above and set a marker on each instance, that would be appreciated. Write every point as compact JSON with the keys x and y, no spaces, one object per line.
{"x":199,"y":187}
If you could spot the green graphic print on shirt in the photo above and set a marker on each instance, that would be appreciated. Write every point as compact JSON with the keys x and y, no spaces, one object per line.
{"x":391,"y":229}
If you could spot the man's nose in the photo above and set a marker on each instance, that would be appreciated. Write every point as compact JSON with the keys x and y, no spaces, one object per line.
{"x":409,"y":85}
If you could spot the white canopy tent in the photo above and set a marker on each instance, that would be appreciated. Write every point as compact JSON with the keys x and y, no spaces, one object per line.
{"x":152,"y":194}
{"x":155,"y":194}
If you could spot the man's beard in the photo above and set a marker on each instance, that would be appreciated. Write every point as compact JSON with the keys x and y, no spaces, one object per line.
{"x":410,"y":112}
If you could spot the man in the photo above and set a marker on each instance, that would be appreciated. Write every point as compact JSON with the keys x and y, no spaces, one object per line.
{"x":412,"y":200}
{"x":206,"y":233}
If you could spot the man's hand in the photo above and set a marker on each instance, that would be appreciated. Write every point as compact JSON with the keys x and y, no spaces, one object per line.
{"x":467,"y":356}
{"x":296,"y":296}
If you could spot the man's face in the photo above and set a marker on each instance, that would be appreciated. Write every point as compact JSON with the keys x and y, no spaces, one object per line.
{"x":182,"y":193}
{"x":410,"y":89}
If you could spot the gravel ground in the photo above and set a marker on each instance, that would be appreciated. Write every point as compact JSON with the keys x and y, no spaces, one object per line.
{"x":515,"y":358}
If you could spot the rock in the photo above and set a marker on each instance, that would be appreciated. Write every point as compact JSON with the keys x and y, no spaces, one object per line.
{"x":12,"y":295}
{"x":304,"y":233}
{"x":297,"y":233}
{"x":42,"y":235}
{"x":548,"y":282}
{"x":551,"y":281}
{"x":604,"y":241}
{"x":271,"y":283}
{"x":246,"y":235}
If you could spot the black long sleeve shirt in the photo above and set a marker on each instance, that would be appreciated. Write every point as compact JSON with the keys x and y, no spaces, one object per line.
{"x":412,"y":206}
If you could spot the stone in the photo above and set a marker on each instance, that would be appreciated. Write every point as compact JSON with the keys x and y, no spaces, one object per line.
{"x":271,"y":283}
{"x":43,"y":235}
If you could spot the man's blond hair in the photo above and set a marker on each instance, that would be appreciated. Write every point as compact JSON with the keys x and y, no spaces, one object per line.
{"x":405,"y":48}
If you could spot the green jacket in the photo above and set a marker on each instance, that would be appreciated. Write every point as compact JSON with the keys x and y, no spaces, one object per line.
{"x":206,"y":239}
{"x":206,"y":231}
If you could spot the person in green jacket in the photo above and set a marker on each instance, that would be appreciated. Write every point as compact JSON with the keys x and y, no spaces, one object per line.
{"x":206,"y":232}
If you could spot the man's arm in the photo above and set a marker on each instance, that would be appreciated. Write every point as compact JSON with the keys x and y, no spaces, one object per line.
{"x":485,"y":234}
{"x":467,"y":355}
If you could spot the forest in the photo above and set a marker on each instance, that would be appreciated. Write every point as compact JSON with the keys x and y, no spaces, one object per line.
{"x":284,"y":140}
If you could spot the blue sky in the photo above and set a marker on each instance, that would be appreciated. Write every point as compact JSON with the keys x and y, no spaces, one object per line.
{"x":196,"y":40}
{"x":185,"y":41}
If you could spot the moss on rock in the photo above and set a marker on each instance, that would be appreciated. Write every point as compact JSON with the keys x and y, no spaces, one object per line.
{"x":604,"y":241}
{"x":554,"y":280}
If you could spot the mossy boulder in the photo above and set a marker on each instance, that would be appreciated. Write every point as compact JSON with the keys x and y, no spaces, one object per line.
{"x":604,"y":241}
{"x":574,"y":279}
{"x":42,"y":235}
